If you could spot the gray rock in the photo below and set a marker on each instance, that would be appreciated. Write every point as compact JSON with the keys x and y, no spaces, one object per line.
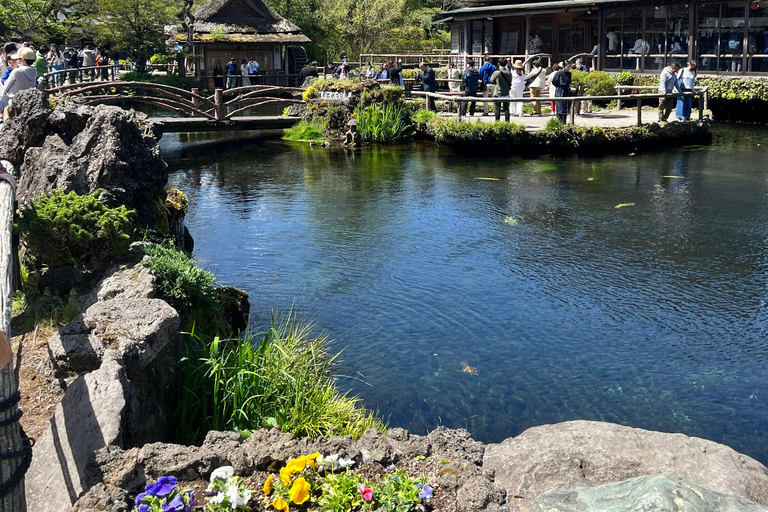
{"x":477,"y":492}
{"x":89,"y":417}
{"x":70,"y":119}
{"x":375,"y":447}
{"x":588,"y":453}
{"x":266,"y":446}
{"x":104,"y":498}
{"x":133,"y":282}
{"x":407,"y":445}
{"x":456,"y":445}
{"x":75,"y":353}
{"x":666,"y":492}
{"x":344,"y":446}
{"x":27,"y":126}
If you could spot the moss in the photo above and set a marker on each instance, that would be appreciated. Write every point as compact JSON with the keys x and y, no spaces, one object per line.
{"x":177,"y":201}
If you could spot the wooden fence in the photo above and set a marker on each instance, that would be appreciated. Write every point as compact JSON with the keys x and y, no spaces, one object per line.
{"x":80,"y":75}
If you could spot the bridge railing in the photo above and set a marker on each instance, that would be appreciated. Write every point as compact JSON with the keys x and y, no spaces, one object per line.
{"x":56,"y":79}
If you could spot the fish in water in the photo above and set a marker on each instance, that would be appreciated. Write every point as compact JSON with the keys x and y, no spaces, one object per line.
{"x":465,"y":368}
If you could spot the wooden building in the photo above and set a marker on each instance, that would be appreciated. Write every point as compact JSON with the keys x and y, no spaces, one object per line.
{"x":723,"y":37}
{"x":243,"y":29}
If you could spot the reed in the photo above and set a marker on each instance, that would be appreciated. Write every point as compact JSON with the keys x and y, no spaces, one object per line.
{"x":388,"y":123}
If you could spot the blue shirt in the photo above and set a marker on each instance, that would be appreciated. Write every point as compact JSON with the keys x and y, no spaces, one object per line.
{"x":6,"y":74}
{"x":486,"y":71}
{"x":231,"y":69}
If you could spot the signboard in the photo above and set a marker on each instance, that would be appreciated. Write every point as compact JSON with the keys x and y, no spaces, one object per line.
{"x":335,"y":95}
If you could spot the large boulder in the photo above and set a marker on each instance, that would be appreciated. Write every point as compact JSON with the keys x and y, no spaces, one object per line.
{"x":91,"y":416}
{"x":26,"y":127}
{"x":588,"y":453}
{"x":666,"y":492}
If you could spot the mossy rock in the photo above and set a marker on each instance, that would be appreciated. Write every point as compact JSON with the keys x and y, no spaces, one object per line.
{"x":235,"y":307}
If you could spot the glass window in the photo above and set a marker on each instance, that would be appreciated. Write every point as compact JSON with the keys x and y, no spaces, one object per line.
{"x":708,"y":42}
{"x":757,"y":38}
{"x":612,"y":41}
{"x":732,"y":37}
{"x":544,"y":30}
{"x":657,"y":38}
{"x":678,"y":33}
{"x":634,"y":46}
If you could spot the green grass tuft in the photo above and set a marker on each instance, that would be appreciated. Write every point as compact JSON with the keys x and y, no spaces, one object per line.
{"x":304,"y":131}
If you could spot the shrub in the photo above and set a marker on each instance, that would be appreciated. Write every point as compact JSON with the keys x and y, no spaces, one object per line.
{"x":283,"y":378}
{"x":740,"y":89}
{"x":553,"y":125}
{"x":309,"y":94}
{"x":597,"y":83}
{"x":624,"y":78}
{"x":70,"y":229}
{"x":421,"y":117}
{"x":304,"y":131}
{"x":337,"y":117}
{"x":388,"y":123}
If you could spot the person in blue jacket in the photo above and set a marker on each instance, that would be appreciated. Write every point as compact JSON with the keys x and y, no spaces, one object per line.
{"x":429,"y":83}
{"x":486,"y":72}
{"x":231,"y":73}
{"x":470,"y":80}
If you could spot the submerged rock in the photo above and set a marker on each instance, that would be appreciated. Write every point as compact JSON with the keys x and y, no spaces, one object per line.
{"x":666,"y":492}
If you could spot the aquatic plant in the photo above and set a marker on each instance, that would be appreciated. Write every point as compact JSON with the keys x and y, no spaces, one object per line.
{"x":283,"y":378}
{"x":305,"y":131}
{"x":389,"y":123}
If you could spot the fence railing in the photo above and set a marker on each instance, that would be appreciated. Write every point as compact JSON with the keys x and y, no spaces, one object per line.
{"x":79,"y":75}
{"x":444,"y":60}
{"x":702,"y":95}
{"x":276,"y":78}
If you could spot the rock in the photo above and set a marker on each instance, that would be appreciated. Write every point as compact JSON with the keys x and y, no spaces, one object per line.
{"x":456,"y":445}
{"x":26,"y":127}
{"x":267,"y":446}
{"x":407,"y":445}
{"x":70,"y":119}
{"x":104,"y":498}
{"x":133,"y":282}
{"x":235,"y":308}
{"x":477,"y":492}
{"x":61,"y":281}
{"x":75,"y":353}
{"x":89,"y":417}
{"x":588,"y":453}
{"x":666,"y":492}
{"x":375,"y":447}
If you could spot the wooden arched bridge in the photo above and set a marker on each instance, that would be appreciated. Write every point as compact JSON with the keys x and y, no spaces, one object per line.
{"x":224,"y":110}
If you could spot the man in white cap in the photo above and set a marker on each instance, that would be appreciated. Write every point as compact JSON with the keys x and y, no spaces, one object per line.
{"x":21,"y":78}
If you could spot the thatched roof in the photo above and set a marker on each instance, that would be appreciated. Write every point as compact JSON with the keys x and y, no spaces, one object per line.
{"x":243,"y":21}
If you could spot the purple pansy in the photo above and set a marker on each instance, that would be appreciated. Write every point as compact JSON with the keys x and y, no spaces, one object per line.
{"x":163,"y":487}
{"x":176,"y":505}
{"x":139,"y":498}
{"x":144,"y":508}
{"x":426,"y":492}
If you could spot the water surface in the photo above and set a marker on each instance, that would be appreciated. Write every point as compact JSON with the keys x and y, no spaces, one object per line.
{"x":651,"y":315}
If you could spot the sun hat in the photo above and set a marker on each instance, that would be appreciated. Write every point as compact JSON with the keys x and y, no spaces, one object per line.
{"x":24,"y":53}
{"x":518,"y":64}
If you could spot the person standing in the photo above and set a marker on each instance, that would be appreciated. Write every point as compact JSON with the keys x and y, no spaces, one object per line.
{"x":686,"y":82}
{"x":551,"y":87}
{"x":537,"y":80}
{"x":502,"y":81}
{"x":41,"y":63}
{"x":486,"y":71}
{"x":395,"y":72}
{"x":245,"y":71}
{"x":231,"y":74}
{"x":429,"y":83}
{"x":10,"y":62}
{"x":471,"y":79}
{"x":253,"y":70}
{"x":218,"y":76}
{"x":56,"y":61}
{"x":518,"y":87}
{"x":22,"y":78}
{"x":667,"y":83}
{"x":454,"y":78}
{"x":562,"y":82}
{"x":584,"y":106}
{"x":89,"y":60}
{"x":310,"y":70}
{"x":74,"y":63}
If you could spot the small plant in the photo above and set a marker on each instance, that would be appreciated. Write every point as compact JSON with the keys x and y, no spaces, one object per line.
{"x":310,"y":93}
{"x":305,"y":131}
{"x":227,"y":492}
{"x":553,"y":125}
{"x":69,"y":229}
{"x":422,"y":117}
{"x":164,"y":496}
{"x":625,"y":78}
{"x":389,"y":123}
{"x":400,"y":493}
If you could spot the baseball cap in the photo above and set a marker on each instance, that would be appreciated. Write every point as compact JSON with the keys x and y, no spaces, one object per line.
{"x":24,"y":53}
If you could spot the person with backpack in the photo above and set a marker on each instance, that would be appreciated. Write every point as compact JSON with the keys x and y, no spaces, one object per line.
{"x":536,"y":81}
{"x":486,"y":71}
{"x":502,"y":81}
{"x":470,"y":80}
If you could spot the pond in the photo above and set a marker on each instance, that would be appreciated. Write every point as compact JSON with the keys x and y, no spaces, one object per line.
{"x":416,"y":259}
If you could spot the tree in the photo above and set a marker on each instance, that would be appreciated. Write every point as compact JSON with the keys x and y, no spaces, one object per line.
{"x":33,"y":20}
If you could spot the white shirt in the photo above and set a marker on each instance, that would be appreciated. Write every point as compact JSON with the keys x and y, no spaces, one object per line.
{"x":518,"y":82}
{"x":540,"y":80}
{"x":688,"y":78}
{"x":21,"y":78}
{"x":613,"y":40}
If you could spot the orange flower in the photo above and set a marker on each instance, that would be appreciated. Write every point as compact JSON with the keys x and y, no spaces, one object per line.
{"x":268,"y":485}
{"x":296,"y":465}
{"x":299,"y":492}
{"x":280,"y":504}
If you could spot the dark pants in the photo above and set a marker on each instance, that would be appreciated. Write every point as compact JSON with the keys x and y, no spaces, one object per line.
{"x":471,"y":104}
{"x":431,"y":103}
{"x":503,"y":106}
{"x":666,"y":106}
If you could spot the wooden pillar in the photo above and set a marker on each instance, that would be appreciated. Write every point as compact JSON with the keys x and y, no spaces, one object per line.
{"x":618,"y":101}
{"x":701,"y":107}
{"x":639,"y":112}
{"x":220,"y":108}
{"x":572,"y":117}
{"x":706,"y":99}
{"x":195,"y":101}
{"x":601,"y":38}
{"x":527,"y":35}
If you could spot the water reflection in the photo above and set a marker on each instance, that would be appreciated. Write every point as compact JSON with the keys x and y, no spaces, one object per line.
{"x":651,"y":315}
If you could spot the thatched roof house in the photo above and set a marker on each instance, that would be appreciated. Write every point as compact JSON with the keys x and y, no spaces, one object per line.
{"x":243,"y":29}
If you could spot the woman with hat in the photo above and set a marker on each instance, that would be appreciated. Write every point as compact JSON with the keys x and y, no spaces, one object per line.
{"x":518,"y":87}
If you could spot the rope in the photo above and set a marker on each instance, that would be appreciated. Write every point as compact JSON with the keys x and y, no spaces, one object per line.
{"x":9,"y":421}
{"x":17,"y":476}
{"x":10,"y":401}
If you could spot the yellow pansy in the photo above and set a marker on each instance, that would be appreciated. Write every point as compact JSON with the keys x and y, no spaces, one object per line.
{"x":280,"y":504}
{"x":285,"y":475}
{"x":296,"y":465}
{"x":268,"y":485}
{"x":299,"y":492}
{"x":312,"y":459}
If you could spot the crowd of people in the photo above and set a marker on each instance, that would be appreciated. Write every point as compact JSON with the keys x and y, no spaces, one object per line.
{"x":247,"y":72}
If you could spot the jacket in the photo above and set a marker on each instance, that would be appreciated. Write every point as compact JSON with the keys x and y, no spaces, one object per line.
{"x":89,"y":58}
{"x":307,"y":71}
{"x":41,"y":65}
{"x":502,"y":78}
{"x":471,"y":77}
{"x":667,"y":80}
{"x":537,"y":77}
{"x":231,"y":68}
{"x":21,"y":78}
{"x":428,"y":80}
{"x":486,"y":71}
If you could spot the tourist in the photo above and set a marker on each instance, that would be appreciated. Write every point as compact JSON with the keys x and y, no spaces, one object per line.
{"x":667,"y":83}
{"x":383,"y":73}
{"x":613,"y":41}
{"x":429,"y":83}
{"x":486,"y":71}
{"x":103,"y":62}
{"x":231,"y":73}
{"x":342,"y":71}
{"x":551,"y":87}
{"x":343,"y":55}
{"x":518,"y":87}
{"x":56,"y":61}
{"x":535,"y":44}
{"x":253,"y":69}
{"x":502,"y":82}
{"x":471,"y":79}
{"x":22,"y":78}
{"x":218,"y":76}
{"x":562,"y":83}
{"x":310,"y":70}
{"x":41,"y":63}
{"x":395,"y":73}
{"x":6,"y":63}
{"x":73,"y":64}
{"x":584,"y":106}
{"x":536,"y":81}
{"x":246,"y":73}
{"x":370,"y":71}
{"x":454,"y":78}
{"x":89,"y":59}
{"x":686,"y":82}
{"x":641,"y":47}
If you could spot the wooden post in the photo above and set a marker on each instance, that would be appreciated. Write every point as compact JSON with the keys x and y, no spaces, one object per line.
{"x":220,"y":108}
{"x":706,"y":98}
{"x":639,"y":112}
{"x":458,"y":104}
{"x":10,"y":435}
{"x":701,"y":107}
{"x":618,"y":102}
{"x":572,"y":118}
{"x":195,"y":101}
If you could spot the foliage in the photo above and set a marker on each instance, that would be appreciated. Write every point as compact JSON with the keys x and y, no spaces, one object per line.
{"x":336,"y":116}
{"x":34,"y":20}
{"x":451,"y":131}
{"x":305,"y":131}
{"x":624,"y":78}
{"x":400,"y":493}
{"x":421,"y":117}
{"x":739,"y":89}
{"x":596,"y":83}
{"x":283,"y":378}
{"x":227,"y":492}
{"x":389,"y":123}
{"x":182,"y":82}
{"x":309,"y":94}
{"x":162,"y":58}
{"x":554,"y":125}
{"x":164,"y":496}
{"x":69,"y":229}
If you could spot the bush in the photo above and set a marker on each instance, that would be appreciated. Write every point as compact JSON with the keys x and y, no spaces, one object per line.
{"x":389,"y":123}
{"x":69,"y":229}
{"x":596,"y":83}
{"x":421,"y":117}
{"x":182,"y":82}
{"x":739,"y":89}
{"x":305,"y":131}
{"x":284,"y":379}
{"x":337,"y":117}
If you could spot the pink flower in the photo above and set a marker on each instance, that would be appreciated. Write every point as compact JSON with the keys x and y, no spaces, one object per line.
{"x":366,"y":492}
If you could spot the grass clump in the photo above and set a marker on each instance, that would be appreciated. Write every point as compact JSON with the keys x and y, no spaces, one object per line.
{"x":389,"y":123}
{"x":283,"y":378}
{"x":70,"y":229}
{"x":304,"y":131}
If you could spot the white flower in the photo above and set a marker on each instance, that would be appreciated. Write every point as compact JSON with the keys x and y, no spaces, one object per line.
{"x":224,"y":472}
{"x":233,"y":495}
{"x":246,"y":496}
{"x":332,"y":458}
{"x":343,"y":463}
{"x":219,"y":498}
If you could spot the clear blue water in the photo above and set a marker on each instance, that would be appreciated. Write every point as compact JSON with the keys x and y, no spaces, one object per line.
{"x":652,"y":315}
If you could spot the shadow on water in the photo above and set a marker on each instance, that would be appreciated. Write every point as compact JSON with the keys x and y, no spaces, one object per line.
{"x":416,"y":258}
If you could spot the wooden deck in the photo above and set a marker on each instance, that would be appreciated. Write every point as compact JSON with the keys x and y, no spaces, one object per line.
{"x":202,"y":124}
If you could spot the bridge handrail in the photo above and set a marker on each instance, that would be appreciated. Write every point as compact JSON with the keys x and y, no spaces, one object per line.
{"x":264,"y":90}
{"x":180,"y":107}
{"x":256,"y":88}
{"x":263,"y":101}
{"x":173,"y":92}
{"x":45,"y":79}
